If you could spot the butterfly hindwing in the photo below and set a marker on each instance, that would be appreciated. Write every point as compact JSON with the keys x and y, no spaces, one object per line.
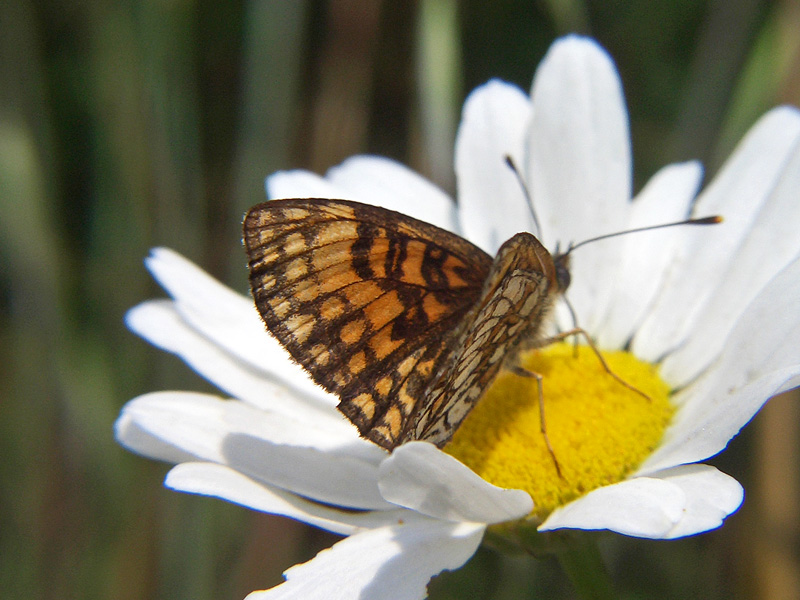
{"x":368,"y":300}
{"x":518,"y":295}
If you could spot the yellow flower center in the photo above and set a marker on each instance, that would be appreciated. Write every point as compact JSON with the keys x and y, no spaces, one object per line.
{"x":599,"y":429}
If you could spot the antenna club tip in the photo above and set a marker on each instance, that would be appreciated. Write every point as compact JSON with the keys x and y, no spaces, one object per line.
{"x":713,"y":220}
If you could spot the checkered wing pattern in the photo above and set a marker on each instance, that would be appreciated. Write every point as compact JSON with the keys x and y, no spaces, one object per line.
{"x":370,"y":302}
{"x":518,"y":295}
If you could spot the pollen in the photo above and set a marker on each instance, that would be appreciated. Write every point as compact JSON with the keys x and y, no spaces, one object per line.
{"x":599,"y":429}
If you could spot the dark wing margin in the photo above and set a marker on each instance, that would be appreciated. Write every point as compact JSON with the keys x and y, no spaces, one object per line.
{"x":366,"y":299}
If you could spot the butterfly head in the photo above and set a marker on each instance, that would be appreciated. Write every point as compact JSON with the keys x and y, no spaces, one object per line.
{"x":561,"y":264}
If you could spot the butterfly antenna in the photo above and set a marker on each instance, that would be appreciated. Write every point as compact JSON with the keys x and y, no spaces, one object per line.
{"x":513,"y":166}
{"x":701,"y":221}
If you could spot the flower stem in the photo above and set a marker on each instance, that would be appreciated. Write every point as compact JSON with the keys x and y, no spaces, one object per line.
{"x":586,"y":570}
{"x":576,"y":552}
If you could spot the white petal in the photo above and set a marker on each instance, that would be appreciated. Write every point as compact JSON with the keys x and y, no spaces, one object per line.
{"x":580,"y":164}
{"x":666,"y":505}
{"x":299,"y":183}
{"x":704,"y":428}
{"x":390,"y":563}
{"x":708,"y":255}
{"x":154,"y":415}
{"x":641,"y":507}
{"x":666,"y":198}
{"x":159,"y":322}
{"x":761,"y":358}
{"x":492,"y":205}
{"x":710,"y":497}
{"x":372,"y":180}
{"x":228,"y":484}
{"x":387,"y":183}
{"x":229,"y":320}
{"x":138,"y":438}
{"x":772,"y":242}
{"x":271,"y":448}
{"x":421,"y":477}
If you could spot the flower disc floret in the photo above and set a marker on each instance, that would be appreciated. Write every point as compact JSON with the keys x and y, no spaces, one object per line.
{"x":600,"y":430}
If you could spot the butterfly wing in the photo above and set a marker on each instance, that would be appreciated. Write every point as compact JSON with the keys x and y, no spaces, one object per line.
{"x":367,"y":300}
{"x":520,"y":292}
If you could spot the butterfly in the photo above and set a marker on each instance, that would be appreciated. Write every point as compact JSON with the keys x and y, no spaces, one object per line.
{"x":408,"y":324}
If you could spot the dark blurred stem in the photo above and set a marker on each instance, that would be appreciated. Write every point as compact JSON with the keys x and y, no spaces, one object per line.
{"x":585,"y":568}
{"x":576,"y":551}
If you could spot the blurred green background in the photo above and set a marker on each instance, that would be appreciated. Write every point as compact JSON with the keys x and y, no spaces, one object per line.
{"x":130,"y":124}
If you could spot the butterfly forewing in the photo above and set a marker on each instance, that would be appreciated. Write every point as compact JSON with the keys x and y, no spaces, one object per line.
{"x":371,"y":302}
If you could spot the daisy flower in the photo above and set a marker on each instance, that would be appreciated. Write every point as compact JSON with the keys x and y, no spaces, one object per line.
{"x":707,"y":318}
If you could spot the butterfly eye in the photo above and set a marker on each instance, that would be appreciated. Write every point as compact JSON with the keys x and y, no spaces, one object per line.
{"x":562,"y":276}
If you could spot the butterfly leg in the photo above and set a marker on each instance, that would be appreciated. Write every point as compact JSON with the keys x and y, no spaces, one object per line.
{"x":579,"y":331}
{"x":523,"y":372}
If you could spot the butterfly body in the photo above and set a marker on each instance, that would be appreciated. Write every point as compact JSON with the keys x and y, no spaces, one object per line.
{"x":518,"y":295}
{"x":406,"y":322}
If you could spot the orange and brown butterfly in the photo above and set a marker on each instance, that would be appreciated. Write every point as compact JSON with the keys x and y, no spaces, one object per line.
{"x":406,"y":322}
